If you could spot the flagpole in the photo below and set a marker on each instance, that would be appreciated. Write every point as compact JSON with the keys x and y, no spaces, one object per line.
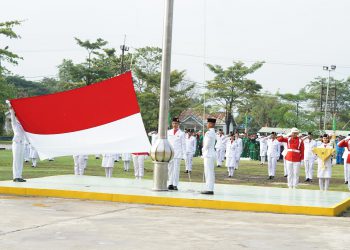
{"x":161,"y":151}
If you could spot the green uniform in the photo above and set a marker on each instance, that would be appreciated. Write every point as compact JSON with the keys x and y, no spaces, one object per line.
{"x":245,"y":152}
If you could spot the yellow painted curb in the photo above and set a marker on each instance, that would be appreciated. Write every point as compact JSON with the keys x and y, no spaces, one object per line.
{"x":180,"y":202}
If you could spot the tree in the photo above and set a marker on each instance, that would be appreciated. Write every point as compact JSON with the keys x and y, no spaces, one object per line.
{"x":147,"y":85}
{"x":6,"y":29}
{"x":101,"y":63}
{"x":230,"y":88}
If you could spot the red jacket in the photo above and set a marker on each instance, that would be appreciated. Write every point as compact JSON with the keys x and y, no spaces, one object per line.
{"x":345,"y":144}
{"x":295,"y":148}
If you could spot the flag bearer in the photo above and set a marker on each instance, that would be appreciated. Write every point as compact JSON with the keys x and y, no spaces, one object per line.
{"x":295,"y":154}
{"x":324,"y":168}
{"x":209,"y":156}
{"x":17,"y":148}
{"x":176,"y":139}
{"x":239,"y":150}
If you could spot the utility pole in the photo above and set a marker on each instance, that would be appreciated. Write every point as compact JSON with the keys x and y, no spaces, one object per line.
{"x":123,"y":48}
{"x":329,"y":69}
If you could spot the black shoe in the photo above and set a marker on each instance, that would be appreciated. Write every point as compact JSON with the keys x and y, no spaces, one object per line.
{"x":26,"y":161}
{"x":19,"y":180}
{"x":286,"y":175}
{"x":218,"y":166}
{"x":51,"y":160}
{"x":175,"y":188}
{"x":33,"y":166}
{"x":207,"y":192}
{"x":186,"y":172}
{"x":346,"y":182}
{"x":272,"y":177}
{"x":269,"y":178}
{"x":171,"y":187}
{"x":307,"y":180}
{"x":97,"y":158}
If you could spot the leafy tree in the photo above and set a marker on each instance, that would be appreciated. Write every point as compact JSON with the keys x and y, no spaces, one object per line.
{"x":6,"y":29}
{"x":230,"y":87}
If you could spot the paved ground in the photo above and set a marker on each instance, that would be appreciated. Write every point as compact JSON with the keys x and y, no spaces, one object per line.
{"x":50,"y":223}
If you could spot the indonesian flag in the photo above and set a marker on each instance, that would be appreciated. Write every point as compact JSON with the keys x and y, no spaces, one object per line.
{"x":100,"y":118}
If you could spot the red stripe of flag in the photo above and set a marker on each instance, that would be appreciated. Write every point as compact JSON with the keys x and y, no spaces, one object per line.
{"x":78,"y":109}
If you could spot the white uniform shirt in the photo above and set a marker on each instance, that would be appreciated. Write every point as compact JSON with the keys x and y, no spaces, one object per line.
{"x":208,"y":150}
{"x":239,"y":143}
{"x":263,"y":145}
{"x":190,"y":144}
{"x":308,"y":146}
{"x":18,"y":132}
{"x":231,"y":148}
{"x":273,"y":148}
{"x":177,"y":141}
{"x":220,"y":142}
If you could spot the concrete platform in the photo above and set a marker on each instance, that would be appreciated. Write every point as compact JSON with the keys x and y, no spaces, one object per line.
{"x":228,"y":197}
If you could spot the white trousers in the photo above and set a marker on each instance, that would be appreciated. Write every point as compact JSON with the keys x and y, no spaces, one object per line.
{"x":126,"y":165}
{"x":188,"y":161}
{"x":309,"y":168}
{"x":220,"y":156}
{"x":209,"y":173}
{"x":293,"y":169}
{"x":174,"y":171}
{"x":285,"y":166}
{"x":139,"y":165}
{"x":79,"y":164}
{"x":109,"y":172}
{"x":18,"y":158}
{"x":237,"y":161}
{"x":231,"y":171}
{"x":263,"y":159}
{"x":346,"y":170}
{"x":271,"y":163}
{"x":323,"y":183}
{"x":34,"y":162}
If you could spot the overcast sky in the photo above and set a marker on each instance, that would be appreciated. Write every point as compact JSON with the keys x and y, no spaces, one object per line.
{"x":295,"y":38}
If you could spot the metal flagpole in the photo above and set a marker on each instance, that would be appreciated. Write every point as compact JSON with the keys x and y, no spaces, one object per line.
{"x":161,"y":151}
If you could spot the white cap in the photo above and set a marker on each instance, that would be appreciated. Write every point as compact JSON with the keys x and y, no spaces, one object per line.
{"x":294,"y":130}
{"x":258,"y":134}
{"x":279,"y":135}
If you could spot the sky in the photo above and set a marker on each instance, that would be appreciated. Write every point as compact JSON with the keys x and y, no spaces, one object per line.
{"x":294,"y":37}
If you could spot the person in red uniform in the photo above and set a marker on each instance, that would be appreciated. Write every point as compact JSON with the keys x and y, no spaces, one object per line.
{"x":345,"y":143}
{"x":294,"y":157}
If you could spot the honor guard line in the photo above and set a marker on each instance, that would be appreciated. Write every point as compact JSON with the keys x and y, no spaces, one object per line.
{"x":227,"y":197}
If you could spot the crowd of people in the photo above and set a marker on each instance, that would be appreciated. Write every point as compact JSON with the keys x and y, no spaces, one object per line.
{"x":294,"y":149}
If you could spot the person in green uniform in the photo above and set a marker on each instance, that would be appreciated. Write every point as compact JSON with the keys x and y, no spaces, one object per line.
{"x":245,"y":141}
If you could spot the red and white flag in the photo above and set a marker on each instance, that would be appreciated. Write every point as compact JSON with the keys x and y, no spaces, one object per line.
{"x":100,"y":118}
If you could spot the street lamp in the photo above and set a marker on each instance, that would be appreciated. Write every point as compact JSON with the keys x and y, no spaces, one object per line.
{"x":329,"y":69}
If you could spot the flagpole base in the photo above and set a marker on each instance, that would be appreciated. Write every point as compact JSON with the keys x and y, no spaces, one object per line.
{"x":160,"y":176}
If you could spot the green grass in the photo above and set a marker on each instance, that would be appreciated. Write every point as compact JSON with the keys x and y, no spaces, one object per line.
{"x":249,"y":172}
{"x":5,"y":142}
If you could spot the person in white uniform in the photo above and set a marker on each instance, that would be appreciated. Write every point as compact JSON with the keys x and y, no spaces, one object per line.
{"x":231,"y":154}
{"x":191,"y":142}
{"x":126,"y":157}
{"x":17,"y":147}
{"x":324,"y":171}
{"x":263,"y":149}
{"x":208,"y":152}
{"x":220,"y":148}
{"x":80,"y":163}
{"x":176,"y":138}
{"x":33,"y":155}
{"x":139,"y":164}
{"x":309,"y":156}
{"x":273,"y":154}
{"x":239,"y":150}
{"x":26,"y":151}
{"x":108,"y":164}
